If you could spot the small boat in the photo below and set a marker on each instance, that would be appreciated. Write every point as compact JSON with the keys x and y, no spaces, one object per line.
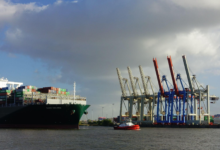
{"x":127,"y":125}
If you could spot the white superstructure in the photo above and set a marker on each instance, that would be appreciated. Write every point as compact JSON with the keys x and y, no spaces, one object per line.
{"x":66,"y":100}
{"x":5,"y":83}
{"x":126,"y":123}
{"x":71,"y":99}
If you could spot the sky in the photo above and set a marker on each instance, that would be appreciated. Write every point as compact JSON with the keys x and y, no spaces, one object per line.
{"x":57,"y":42}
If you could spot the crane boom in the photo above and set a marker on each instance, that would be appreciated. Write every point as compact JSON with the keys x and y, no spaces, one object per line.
{"x":121,"y":83}
{"x":126,"y":83}
{"x":188,"y":74}
{"x":158,"y":76}
{"x":137,"y":82}
{"x":132,"y":81}
{"x":172,"y":75}
{"x":143,"y":80}
{"x":149,"y":80}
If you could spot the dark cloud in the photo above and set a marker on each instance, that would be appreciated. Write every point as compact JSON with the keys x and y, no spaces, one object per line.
{"x":89,"y":39}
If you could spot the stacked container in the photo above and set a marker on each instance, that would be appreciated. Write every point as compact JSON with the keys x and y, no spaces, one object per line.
{"x":24,"y":93}
{"x":4,"y":94}
{"x":53,"y":90}
{"x":28,"y":94}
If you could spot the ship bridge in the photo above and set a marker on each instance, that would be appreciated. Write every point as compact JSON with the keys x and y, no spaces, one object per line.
{"x":12,"y":85}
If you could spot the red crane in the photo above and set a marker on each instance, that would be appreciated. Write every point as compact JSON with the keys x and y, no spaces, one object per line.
{"x":172,"y":75}
{"x":158,"y":76}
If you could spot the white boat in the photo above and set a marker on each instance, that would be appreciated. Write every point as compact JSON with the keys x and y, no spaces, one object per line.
{"x":127,"y":125}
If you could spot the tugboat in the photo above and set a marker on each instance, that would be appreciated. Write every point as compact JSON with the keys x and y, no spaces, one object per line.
{"x":127,"y":125}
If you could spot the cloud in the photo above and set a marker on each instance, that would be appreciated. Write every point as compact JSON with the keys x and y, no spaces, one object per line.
{"x":199,"y":4}
{"x":36,"y":71}
{"x":58,"y":2}
{"x":88,"y":40}
{"x":74,"y":1}
{"x":10,"y":11}
{"x":54,"y":79}
{"x":11,"y":55}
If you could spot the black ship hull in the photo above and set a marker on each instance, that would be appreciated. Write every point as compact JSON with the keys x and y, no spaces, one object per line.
{"x":60,"y":116}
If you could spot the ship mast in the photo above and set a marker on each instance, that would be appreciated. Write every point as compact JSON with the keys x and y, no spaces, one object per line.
{"x":74,"y":91}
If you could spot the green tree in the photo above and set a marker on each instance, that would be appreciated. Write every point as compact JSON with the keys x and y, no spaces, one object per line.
{"x":90,"y":122}
{"x":99,"y":123}
{"x":107,"y":122}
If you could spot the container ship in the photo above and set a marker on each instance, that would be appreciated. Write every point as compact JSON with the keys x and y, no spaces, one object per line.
{"x":46,"y":107}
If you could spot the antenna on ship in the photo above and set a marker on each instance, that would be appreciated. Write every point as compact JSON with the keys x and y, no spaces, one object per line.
{"x":74,"y":91}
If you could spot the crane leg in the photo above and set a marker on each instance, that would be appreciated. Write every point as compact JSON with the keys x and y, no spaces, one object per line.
{"x":150,"y":110}
{"x":187,"y":106}
{"x":166,"y":109}
{"x":200,"y":107}
{"x":195,"y":109}
{"x":158,"y":104}
{"x":142,"y":108}
{"x":121,"y":108}
{"x":153,"y":108}
{"x":208,"y":104}
{"x":131,"y":107}
{"x":161,"y":109}
{"x":139,"y":110}
{"x":191,"y":106}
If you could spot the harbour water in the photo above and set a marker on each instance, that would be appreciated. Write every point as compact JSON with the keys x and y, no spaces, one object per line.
{"x":105,"y":138}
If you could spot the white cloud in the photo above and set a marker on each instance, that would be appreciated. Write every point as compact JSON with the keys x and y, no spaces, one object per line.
{"x":195,"y":42}
{"x":58,"y":2}
{"x":9,"y":10}
{"x":86,"y":42}
{"x":15,"y":35}
{"x":210,"y":4}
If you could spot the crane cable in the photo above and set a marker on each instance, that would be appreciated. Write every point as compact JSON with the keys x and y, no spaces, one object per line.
{"x":155,"y":86}
{"x":125,"y":105}
{"x":191,"y":71}
{"x":205,"y":107}
{"x":135,"y":107}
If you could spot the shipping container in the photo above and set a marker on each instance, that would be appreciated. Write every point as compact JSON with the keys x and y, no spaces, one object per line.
{"x":21,"y":90}
{"x":3,"y":97}
{"x":101,"y":118}
{"x":48,"y":88}
{"x":5,"y":91}
{"x":206,"y":118}
{"x":19,"y":95}
{"x":3,"y":94}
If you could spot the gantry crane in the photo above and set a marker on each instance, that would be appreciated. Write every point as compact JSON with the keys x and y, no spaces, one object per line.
{"x":135,"y":94}
{"x":199,"y":94}
{"x":149,"y":99}
{"x":124,"y":93}
{"x":140,"y":98}
{"x":162,"y":95}
{"x":121,"y":83}
{"x":179,"y":98}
